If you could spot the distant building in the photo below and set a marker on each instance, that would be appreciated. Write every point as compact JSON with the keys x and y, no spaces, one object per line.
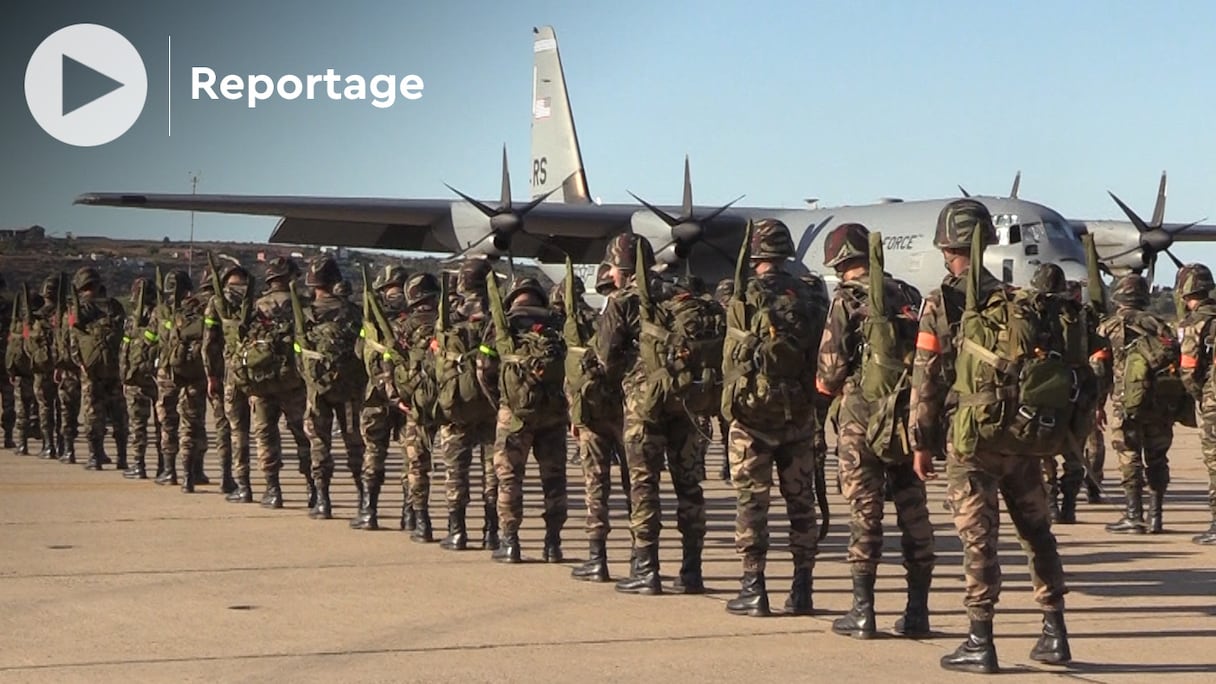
{"x":23,"y":237}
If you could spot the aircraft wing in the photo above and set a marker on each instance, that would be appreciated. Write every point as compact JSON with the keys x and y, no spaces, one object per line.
{"x":1200,"y":232}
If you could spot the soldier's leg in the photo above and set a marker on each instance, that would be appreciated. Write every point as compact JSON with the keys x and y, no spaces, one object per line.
{"x":510,"y":451}
{"x":644,"y":449}
{"x":294,"y":405}
{"x":1070,"y":486}
{"x":193,"y":430}
{"x":265,"y":413}
{"x":1051,"y":485}
{"x":456,"y":452}
{"x":549,"y":450}
{"x":223,"y":442}
{"x":751,"y":470}
{"x":1207,"y":441}
{"x":373,"y":425}
{"x":8,"y":412}
{"x":795,"y":464}
{"x":489,"y":486}
{"x":44,"y":395}
{"x":347,"y":415}
{"x":1095,"y":457}
{"x":116,"y":416}
{"x":1126,"y":439}
{"x":1157,"y":439}
{"x":167,"y":398}
{"x":237,"y":408}
{"x":139,"y":409}
{"x":723,"y":434}
{"x":319,"y":425}
{"x":686,"y":447}
{"x":596,"y":445}
{"x":418,"y":441}
{"x":917,"y":543}
{"x":23,"y":394}
{"x":69,"y":403}
{"x":93,"y":399}
{"x":863,"y":480}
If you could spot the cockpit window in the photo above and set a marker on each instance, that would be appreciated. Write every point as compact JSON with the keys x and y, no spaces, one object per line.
{"x":1045,"y":231}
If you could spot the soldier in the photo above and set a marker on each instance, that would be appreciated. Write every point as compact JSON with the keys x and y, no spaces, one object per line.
{"x":276,"y":388}
{"x":468,"y":415}
{"x":771,"y":343}
{"x":215,"y":396}
{"x":344,"y":289}
{"x":974,"y":480}
{"x":227,"y":317}
{"x":67,"y":378}
{"x":19,"y":372}
{"x":378,"y":415}
{"x":1194,"y":287}
{"x":532,"y":413}
{"x":95,"y":343}
{"x":140,"y":353}
{"x":41,"y":348}
{"x":1093,"y":452}
{"x":1142,"y":440}
{"x":181,"y":378}
{"x":723,"y":292}
{"x":8,"y":417}
{"x":866,"y":474}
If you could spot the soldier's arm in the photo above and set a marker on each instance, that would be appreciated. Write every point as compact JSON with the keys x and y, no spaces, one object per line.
{"x":1191,"y":348}
{"x":613,"y":336}
{"x":833,"y":351}
{"x":928,"y":396}
{"x":213,"y":340}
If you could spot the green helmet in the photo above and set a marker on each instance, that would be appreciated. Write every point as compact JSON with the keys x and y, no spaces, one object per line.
{"x":323,"y":272}
{"x":390,"y":276}
{"x":1130,"y":290}
{"x":281,"y":267}
{"x":771,"y":240}
{"x":958,"y":219}
{"x":176,"y":282}
{"x":421,"y":287}
{"x":1194,"y":280}
{"x":204,"y":285}
{"x":846,"y":242}
{"x":230,"y":270}
{"x":50,"y":287}
{"x":725,"y":290}
{"x":604,"y":284}
{"x":622,"y":252}
{"x":473,"y":273}
{"x":86,"y":277}
{"x":527,"y":285}
{"x":1049,"y":279}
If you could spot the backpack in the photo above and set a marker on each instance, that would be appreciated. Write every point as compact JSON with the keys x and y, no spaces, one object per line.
{"x":40,"y":344}
{"x":681,"y":345}
{"x":182,"y":341}
{"x":139,"y":354}
{"x":332,"y":360}
{"x":98,"y":338}
{"x":17,"y":361}
{"x":1152,"y":382}
{"x":532,"y":376}
{"x":264,"y":363}
{"x":414,"y":372}
{"x":461,"y":399}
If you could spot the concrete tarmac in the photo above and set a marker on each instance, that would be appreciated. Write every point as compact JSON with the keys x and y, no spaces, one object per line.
{"x":104,"y":579}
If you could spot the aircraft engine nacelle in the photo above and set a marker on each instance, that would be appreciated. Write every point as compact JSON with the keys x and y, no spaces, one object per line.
{"x":472,"y":227}
{"x":654,"y":229}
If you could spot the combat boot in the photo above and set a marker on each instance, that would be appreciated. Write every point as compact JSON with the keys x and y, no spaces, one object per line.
{"x":323,"y":510}
{"x":1132,"y":521}
{"x":1156,"y":504}
{"x":94,"y":462}
{"x":422,"y":529}
{"x":977,"y":654}
{"x":68,"y":454}
{"x":508,"y":551}
{"x":596,"y":567}
{"x":553,"y":541}
{"x":1052,"y":647}
{"x":915,"y":620}
{"x":227,"y":484}
{"x":1053,"y":502}
{"x":645,"y":576}
{"x":169,"y":475}
{"x":48,"y":446}
{"x":458,"y":535}
{"x":121,"y":464}
{"x":312,"y":491}
{"x":1068,"y":503}
{"x":753,"y":597}
{"x":859,"y":622}
{"x":800,"y":600}
{"x":690,"y":580}
{"x":1206,"y":538}
{"x":243,"y":492}
{"x":189,"y":475}
{"x":1093,"y":492}
{"x":8,"y":439}
{"x":23,"y":446}
{"x":409,"y":519}
{"x":368,"y":518}
{"x":489,"y":529}
{"x":273,"y":496}
{"x":138,"y":469}
{"x":200,"y":477}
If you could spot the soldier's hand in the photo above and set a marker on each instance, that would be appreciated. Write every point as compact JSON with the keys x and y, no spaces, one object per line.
{"x":213,"y":387}
{"x":922,"y":464}
{"x":57,"y":376}
{"x":1100,"y":419}
{"x":574,"y":430}
{"x":403,"y":407}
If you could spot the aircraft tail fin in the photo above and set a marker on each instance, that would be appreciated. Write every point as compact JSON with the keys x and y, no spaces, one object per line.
{"x":556,"y":159}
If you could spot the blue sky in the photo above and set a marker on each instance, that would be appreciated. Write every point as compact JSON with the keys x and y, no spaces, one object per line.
{"x":846,"y":102}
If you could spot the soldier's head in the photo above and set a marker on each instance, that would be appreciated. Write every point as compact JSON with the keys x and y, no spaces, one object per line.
{"x":771,"y":245}
{"x":390,"y":281}
{"x":956,"y":223}
{"x":280,"y":271}
{"x":234,"y":278}
{"x":1076,"y":291}
{"x":1130,"y":291}
{"x":145,"y":286}
{"x":847,"y":250}
{"x":323,"y":274}
{"x":50,"y":287}
{"x":526,"y":292}
{"x":472,"y":275}
{"x":557,"y":294}
{"x":177,"y":285}
{"x":621,"y":256}
{"x":604,"y":282}
{"x":421,"y":288}
{"x":87,"y":279}
{"x":724,"y":290}
{"x":205,"y":285}
{"x":691,"y":284}
{"x":1049,"y":279}
{"x":1194,"y":285}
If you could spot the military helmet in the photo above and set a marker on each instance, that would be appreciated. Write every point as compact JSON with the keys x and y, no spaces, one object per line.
{"x":958,"y":219}
{"x":846,"y":242}
{"x":420,"y":287}
{"x":177,"y":281}
{"x":622,"y":252}
{"x":1049,"y":278}
{"x":604,"y":284}
{"x":323,"y":272}
{"x":1130,"y":290}
{"x":473,"y":273}
{"x":1194,"y":280}
{"x":724,"y":290}
{"x":771,"y":240}
{"x":50,"y":287}
{"x":692,"y":284}
{"x":205,"y":285}
{"x":390,"y":276}
{"x":527,"y":285}
{"x":557,"y":294}
{"x":86,"y":277}
{"x":344,"y":288}
{"x":231,"y":269}
{"x":281,"y":267}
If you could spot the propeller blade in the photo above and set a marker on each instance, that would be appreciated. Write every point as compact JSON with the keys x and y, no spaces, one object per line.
{"x":667,"y":218}
{"x":1152,"y":270}
{"x":464,"y":253}
{"x":482,"y":207}
{"x":532,"y":205}
{"x":1159,"y":207}
{"x":1185,"y":227}
{"x":717,"y":212}
{"x":687,"y":214}
{"x":1017,"y":181}
{"x":721,"y":252}
{"x":1112,"y":257}
{"x":1131,"y":215}
{"x":505,"y":203}
{"x":1176,"y":260}
{"x":964,"y":191}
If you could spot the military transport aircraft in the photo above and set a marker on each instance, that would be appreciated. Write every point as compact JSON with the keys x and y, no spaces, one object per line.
{"x":561,"y":219}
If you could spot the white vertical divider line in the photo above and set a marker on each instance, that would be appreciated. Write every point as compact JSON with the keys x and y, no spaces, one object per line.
{"x":170,"y":86}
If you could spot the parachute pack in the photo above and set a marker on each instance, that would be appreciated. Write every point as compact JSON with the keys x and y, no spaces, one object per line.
{"x":532,"y":357}
{"x":139,"y":351}
{"x":1152,"y":381}
{"x":17,"y":361}
{"x":407,"y":350}
{"x":182,"y":340}
{"x":330,"y":352}
{"x":264,"y":363}
{"x":589,"y":394}
{"x":98,"y":333}
{"x":461,"y":399}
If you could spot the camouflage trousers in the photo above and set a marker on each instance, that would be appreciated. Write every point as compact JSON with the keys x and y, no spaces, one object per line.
{"x":103,"y":406}
{"x":1207,"y":442}
{"x":376,"y":421}
{"x":265,"y":414}
{"x":864,"y":478}
{"x":974,"y":484}
{"x":1073,"y":474}
{"x":599,"y":446}
{"x":753,"y":456}
{"x":223,"y":426}
{"x":140,"y":402}
{"x":25,"y":410}
{"x":455,"y":449}
{"x":416,"y":442}
{"x":1143,"y":450}
{"x":69,"y":404}
{"x":236,"y":407}
{"x":649,"y":441}
{"x":182,"y":409}
{"x":1095,"y":456}
{"x":548,"y":446}
{"x":47,"y":399}
{"x":8,"y":406}
{"x":323,"y":413}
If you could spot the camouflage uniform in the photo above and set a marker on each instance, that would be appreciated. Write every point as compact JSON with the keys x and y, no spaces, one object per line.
{"x":181,"y":402}
{"x":139,"y":384}
{"x":41,"y":347}
{"x":8,"y":411}
{"x":227,"y":314}
{"x":976,"y":482}
{"x":101,"y":394}
{"x":215,"y":400}
{"x":865,"y":475}
{"x":756,"y":450}
{"x":722,"y":293}
{"x":1197,"y":330}
{"x":1142,"y":444}
{"x":20,"y":378}
{"x":67,"y":377}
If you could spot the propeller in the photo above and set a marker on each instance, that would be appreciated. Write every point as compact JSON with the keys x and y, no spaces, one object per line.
{"x":506,"y":219}
{"x":1013,"y":192}
{"x":686,"y":229}
{"x":1154,"y":237}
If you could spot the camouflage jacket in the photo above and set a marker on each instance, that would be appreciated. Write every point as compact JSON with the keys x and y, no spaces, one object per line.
{"x":1114,"y":328}
{"x":1195,"y":333}
{"x":415,"y":334}
{"x":6,"y":319}
{"x":41,"y":339}
{"x":933,"y":367}
{"x":380,"y":369}
{"x":90,"y":310}
{"x":224,"y":329}
{"x":616,"y":337}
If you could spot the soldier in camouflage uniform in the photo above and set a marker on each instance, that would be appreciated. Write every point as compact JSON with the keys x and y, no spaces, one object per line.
{"x":181,"y":402}
{"x":723,"y":292}
{"x":822,"y":303}
{"x":1194,"y":287}
{"x":20,"y":376}
{"x":771,"y":343}
{"x":101,"y":387}
{"x":975,"y":482}
{"x":542,"y":430}
{"x":415,"y":334}
{"x":866,"y":475}
{"x":140,"y":352}
{"x":41,"y":347}
{"x":1093,"y":452}
{"x":378,"y":415}
{"x":8,"y":409}
{"x":1142,"y":443}
{"x":341,"y":406}
{"x":215,"y":399}
{"x":67,"y":379}
{"x":225,"y":318}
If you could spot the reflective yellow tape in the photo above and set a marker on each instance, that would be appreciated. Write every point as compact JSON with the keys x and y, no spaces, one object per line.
{"x":297,"y":347}
{"x":151,"y":336}
{"x":487,"y":350}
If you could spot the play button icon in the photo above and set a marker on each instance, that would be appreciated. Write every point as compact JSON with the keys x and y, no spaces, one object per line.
{"x":86,"y":85}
